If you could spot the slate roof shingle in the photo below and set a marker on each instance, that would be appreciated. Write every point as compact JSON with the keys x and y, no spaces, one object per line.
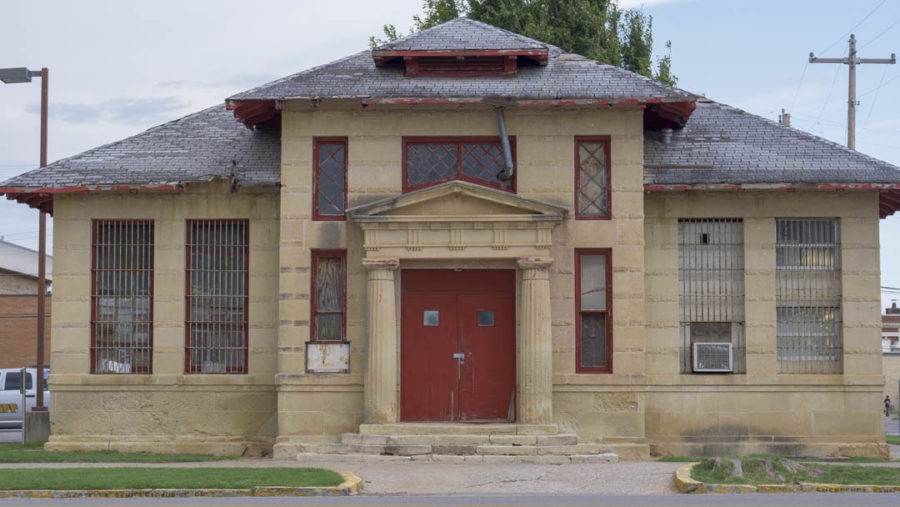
{"x":721,"y":144}
{"x":463,"y":34}
{"x":205,"y":145}
{"x":566,"y":76}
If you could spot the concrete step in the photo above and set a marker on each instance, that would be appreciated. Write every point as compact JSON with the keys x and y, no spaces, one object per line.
{"x":458,"y":429}
{"x":311,"y":457}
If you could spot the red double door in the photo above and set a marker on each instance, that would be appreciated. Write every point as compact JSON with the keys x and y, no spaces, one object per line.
{"x":458,"y":345}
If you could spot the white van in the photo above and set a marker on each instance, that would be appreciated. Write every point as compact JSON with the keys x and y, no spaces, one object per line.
{"x":11,"y":397}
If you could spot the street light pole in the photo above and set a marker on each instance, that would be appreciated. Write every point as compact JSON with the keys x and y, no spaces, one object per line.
{"x":23,"y":75}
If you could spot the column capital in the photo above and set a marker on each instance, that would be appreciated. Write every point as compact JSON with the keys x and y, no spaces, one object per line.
{"x":377,"y":264}
{"x":534,"y":262}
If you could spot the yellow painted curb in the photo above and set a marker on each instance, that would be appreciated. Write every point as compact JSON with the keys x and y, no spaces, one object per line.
{"x":686,"y":484}
{"x":352,"y":485}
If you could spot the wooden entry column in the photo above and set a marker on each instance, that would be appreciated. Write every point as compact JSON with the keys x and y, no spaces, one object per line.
{"x":535,"y":357}
{"x":380,"y":389}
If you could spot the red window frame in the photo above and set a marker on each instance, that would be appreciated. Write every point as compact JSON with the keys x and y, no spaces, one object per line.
{"x":95,"y":224}
{"x":314,"y":268}
{"x":458,"y":141}
{"x":605,"y":140}
{"x":188,"y":250}
{"x":317,"y":142}
{"x":606,"y":252}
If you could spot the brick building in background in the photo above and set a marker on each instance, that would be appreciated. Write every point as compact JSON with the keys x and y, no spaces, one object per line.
{"x":18,"y":306}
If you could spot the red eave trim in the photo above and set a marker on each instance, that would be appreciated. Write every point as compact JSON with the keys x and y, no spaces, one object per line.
{"x":382,"y":56}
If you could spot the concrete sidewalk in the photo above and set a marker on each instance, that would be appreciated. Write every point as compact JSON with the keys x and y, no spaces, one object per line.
{"x":425,"y":478}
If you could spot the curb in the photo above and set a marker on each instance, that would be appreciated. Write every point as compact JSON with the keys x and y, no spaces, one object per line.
{"x":352,"y":485}
{"x":686,"y":484}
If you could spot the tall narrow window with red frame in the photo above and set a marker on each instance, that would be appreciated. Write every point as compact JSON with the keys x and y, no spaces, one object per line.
{"x":216,"y":296}
{"x":330,"y":178}
{"x":593,"y":300}
{"x":430,"y":161}
{"x":329,"y":295}
{"x":592,"y":178}
{"x":122,"y":296}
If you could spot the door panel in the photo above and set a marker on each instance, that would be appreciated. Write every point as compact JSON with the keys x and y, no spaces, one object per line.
{"x":428,"y":378}
{"x":470,"y":314}
{"x":487,"y":336}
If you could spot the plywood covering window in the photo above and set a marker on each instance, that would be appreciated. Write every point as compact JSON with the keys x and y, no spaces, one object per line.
{"x":329,"y":295}
{"x":216,"y":296}
{"x":330,"y":178}
{"x":593,"y":303}
{"x":711,"y":287}
{"x":430,"y":161}
{"x":592,"y":178}
{"x":122,"y":296}
{"x":808,"y":300}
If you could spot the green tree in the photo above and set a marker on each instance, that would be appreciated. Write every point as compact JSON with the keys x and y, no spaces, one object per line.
{"x":597,"y":29}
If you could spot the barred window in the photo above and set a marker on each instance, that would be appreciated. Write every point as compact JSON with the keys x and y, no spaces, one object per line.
{"x":593,"y":300}
{"x":122,"y":296}
{"x":216,"y":300}
{"x":711,"y":287}
{"x":808,"y":300}
{"x":330,"y":193}
{"x":592,"y":187}
{"x":430,"y":161}
{"x":329,"y":289}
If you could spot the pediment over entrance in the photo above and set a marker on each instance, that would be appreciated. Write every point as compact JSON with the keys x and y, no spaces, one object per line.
{"x":457,"y":219}
{"x":456,"y":199}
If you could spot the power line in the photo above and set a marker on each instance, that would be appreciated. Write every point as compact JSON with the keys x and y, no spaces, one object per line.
{"x":854,"y":27}
{"x":875,"y":100}
{"x":828,"y":97}
{"x":886,"y":30}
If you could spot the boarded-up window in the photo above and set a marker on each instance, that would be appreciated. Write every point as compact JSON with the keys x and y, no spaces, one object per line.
{"x":429,"y":161}
{"x":329,"y":289}
{"x":216,"y":299}
{"x":593,"y":300}
{"x":330,"y":193}
{"x":808,"y":301}
{"x":592,"y":187}
{"x":711,"y":287}
{"x":122,"y":296}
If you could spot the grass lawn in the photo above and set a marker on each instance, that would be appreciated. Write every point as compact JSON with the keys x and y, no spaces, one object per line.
{"x":780,"y":471}
{"x":892,"y":439}
{"x":34,"y":453}
{"x":152,"y":478}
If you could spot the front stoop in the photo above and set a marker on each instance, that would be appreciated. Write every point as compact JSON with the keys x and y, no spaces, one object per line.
{"x":459,"y":443}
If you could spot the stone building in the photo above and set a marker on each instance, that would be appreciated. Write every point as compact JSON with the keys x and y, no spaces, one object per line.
{"x":467,"y":241}
{"x":18,"y":306}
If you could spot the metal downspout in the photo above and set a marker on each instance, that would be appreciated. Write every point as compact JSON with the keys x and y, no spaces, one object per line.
{"x":507,"y":174}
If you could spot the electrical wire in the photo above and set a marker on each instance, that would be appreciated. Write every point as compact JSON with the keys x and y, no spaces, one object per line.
{"x":797,"y":93}
{"x":886,"y":30}
{"x":830,"y":90}
{"x":875,"y":100}
{"x":854,"y":27}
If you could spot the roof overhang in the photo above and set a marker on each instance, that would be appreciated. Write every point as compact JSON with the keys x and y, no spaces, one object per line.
{"x":264,"y":114}
{"x":888,"y":193}
{"x":383,"y":56}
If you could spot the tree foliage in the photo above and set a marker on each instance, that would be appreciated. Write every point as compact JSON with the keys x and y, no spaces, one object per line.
{"x":597,"y":29}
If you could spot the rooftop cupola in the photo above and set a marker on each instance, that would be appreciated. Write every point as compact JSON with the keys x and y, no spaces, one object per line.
{"x":464,"y":48}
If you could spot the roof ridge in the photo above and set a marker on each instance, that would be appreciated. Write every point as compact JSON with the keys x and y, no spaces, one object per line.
{"x":296,"y":74}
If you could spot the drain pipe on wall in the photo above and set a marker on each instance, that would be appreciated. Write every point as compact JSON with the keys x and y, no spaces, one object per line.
{"x":507,"y":174}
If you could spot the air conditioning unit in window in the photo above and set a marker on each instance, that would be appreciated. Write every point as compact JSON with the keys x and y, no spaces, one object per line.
{"x":713,"y":357}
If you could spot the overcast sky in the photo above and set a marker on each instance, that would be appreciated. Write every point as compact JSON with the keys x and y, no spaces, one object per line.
{"x":118,"y":68}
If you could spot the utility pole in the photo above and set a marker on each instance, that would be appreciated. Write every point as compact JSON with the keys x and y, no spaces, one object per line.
{"x":852,"y":60}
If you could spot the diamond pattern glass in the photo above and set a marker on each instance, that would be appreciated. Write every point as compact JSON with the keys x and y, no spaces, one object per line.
{"x":593,"y":180}
{"x":482,"y":161}
{"x":330,"y":179}
{"x":430,"y":163}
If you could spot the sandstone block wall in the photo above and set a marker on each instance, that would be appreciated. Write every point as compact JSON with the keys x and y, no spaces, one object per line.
{"x":168,"y":410}
{"x":764,"y":410}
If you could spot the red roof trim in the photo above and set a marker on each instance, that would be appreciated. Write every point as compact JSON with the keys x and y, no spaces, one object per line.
{"x":382,"y":56}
